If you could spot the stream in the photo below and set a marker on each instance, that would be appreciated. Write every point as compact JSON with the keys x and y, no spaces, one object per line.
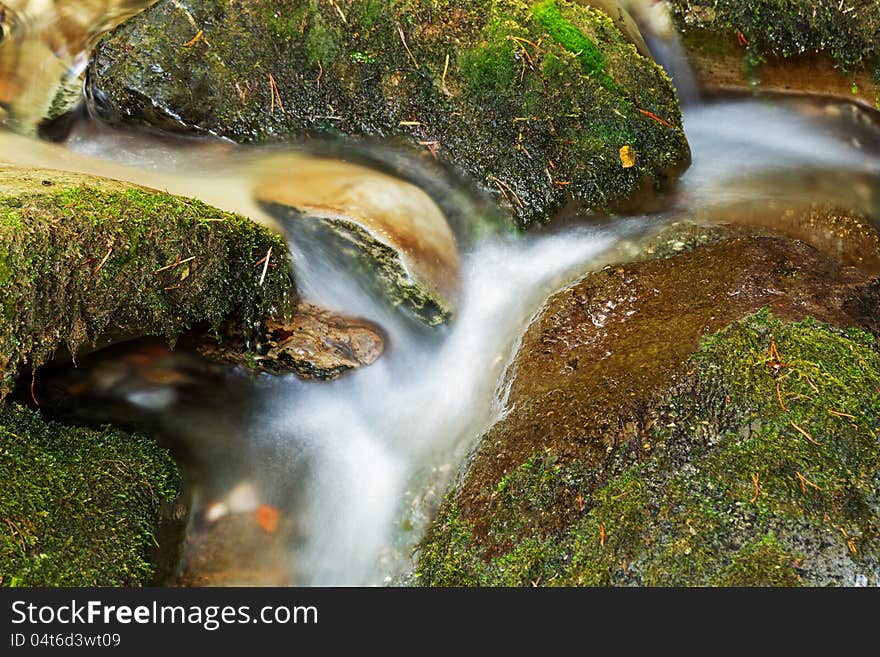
{"x":343,"y":477}
{"x":356,"y":467}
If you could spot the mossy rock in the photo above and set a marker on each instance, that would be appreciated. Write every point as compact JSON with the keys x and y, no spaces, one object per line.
{"x":83,"y":259}
{"x":819,"y":47}
{"x":646,"y":444}
{"x":534,"y":100}
{"x":85,"y":507}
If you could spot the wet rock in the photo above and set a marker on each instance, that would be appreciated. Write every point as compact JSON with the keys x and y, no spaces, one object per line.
{"x":83,"y":259}
{"x":645,"y":443}
{"x":533,"y":100}
{"x":86,"y":507}
{"x":849,"y":237}
{"x":313,"y":344}
{"x":385,"y":232}
{"x":775,"y":45}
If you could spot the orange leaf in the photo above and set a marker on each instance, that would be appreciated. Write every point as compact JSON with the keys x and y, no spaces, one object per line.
{"x":267,"y":518}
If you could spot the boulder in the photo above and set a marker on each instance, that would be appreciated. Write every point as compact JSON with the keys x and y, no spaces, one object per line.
{"x":533,"y":100}
{"x":658,"y":432}
{"x":387,"y":233}
{"x":312,"y":343}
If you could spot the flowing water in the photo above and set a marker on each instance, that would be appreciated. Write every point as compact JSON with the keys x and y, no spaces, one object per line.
{"x":356,"y":467}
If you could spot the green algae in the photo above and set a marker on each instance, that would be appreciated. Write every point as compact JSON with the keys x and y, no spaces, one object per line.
{"x":84,"y":507}
{"x":738,"y":483}
{"x":573,"y":40}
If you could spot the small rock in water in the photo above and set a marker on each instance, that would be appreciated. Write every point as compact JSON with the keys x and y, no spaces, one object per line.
{"x":313,"y":344}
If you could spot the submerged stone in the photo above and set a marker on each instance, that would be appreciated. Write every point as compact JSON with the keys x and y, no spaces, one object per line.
{"x":236,"y":551}
{"x":818,"y":47}
{"x":533,"y":100}
{"x":85,"y":259}
{"x":387,"y":233}
{"x":86,"y":507}
{"x":643,"y":446}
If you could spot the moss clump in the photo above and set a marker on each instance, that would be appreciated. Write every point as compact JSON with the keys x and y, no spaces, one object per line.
{"x":787,"y":28}
{"x":82,"y":507}
{"x":760,"y":469}
{"x":573,"y":40}
{"x":81,"y":258}
{"x":763,"y":562}
{"x":533,"y":100}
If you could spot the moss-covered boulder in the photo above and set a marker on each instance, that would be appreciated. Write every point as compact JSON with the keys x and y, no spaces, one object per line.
{"x":84,"y":507}
{"x":820,"y":47}
{"x":84,"y":259}
{"x":543,"y":102}
{"x":637,"y":449}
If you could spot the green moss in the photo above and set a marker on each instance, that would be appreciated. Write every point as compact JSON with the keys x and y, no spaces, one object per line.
{"x":80,"y":507}
{"x":322,"y":42}
{"x":572,"y":39}
{"x":763,"y":562}
{"x":726,"y":490}
{"x":84,"y":258}
{"x":491,"y":67}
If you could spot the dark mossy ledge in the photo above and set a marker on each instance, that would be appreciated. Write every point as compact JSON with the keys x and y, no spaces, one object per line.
{"x":726,"y":488}
{"x":631,"y":439}
{"x":817,"y":47}
{"x":84,"y":258}
{"x":85,"y":507}
{"x":533,"y":100}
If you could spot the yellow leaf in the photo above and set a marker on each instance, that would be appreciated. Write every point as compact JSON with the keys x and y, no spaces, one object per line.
{"x":627,"y":157}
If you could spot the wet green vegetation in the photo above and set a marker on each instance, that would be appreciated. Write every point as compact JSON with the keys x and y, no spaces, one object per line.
{"x":85,"y":507}
{"x":83,"y":259}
